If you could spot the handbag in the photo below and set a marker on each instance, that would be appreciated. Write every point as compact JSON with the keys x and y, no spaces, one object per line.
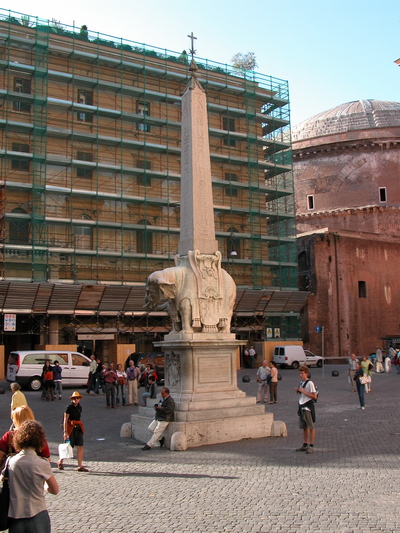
{"x":4,"y":500}
{"x":65,"y":451}
{"x":363,"y":380}
{"x":121,"y":381}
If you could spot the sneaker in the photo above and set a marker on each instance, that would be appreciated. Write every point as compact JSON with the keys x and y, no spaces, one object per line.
{"x":310,"y":450}
{"x":362,"y":408}
{"x":162,"y":440}
{"x":146,"y":447}
{"x":302,"y":448}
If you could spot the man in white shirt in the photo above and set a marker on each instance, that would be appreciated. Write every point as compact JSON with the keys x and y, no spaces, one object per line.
{"x":262,"y":375}
{"x":306,"y":410}
{"x":353,"y":361}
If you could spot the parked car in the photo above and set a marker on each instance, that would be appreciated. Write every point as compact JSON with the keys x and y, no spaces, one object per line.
{"x":154,"y":358}
{"x":313,"y":359}
{"x":289,"y":355}
{"x":25,"y":367}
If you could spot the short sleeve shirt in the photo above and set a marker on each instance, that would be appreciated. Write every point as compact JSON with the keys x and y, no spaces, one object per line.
{"x":74,"y":412}
{"x":310,"y":387}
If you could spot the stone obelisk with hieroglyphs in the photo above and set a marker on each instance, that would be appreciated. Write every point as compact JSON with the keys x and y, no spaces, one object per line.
{"x":200,"y":352}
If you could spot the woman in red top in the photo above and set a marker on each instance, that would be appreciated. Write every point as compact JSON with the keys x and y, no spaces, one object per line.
{"x":19,"y":415}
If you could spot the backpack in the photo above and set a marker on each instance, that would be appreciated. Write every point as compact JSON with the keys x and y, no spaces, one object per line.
{"x":316,"y":390}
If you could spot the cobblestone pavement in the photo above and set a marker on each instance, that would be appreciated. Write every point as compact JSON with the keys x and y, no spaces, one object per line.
{"x":350,"y":485}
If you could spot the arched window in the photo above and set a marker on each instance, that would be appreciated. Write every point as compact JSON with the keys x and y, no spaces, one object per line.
{"x":19,"y":228}
{"x":83,"y":236}
{"x":144,"y":238}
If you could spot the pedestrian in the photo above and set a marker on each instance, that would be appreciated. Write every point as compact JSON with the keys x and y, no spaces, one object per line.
{"x":19,"y":415}
{"x":57,"y":378}
{"x":18,"y":397}
{"x":388,"y":364}
{"x":121,"y":384}
{"x":360,"y":380}
{"x":379,"y":360}
{"x":252,"y":356}
{"x":367,"y":367}
{"x":49,"y":383}
{"x":273,"y":385}
{"x":306,"y":410}
{"x":46,"y":367}
{"x":262,"y":376}
{"x":100,"y":383}
{"x":92,"y":375}
{"x":246,"y":358}
{"x":110,"y":377}
{"x":351,"y":371}
{"x":29,"y":477}
{"x":396,"y":361}
{"x":164,"y":415}
{"x":132,"y":374}
{"x":74,"y":430}
{"x":151,"y":390}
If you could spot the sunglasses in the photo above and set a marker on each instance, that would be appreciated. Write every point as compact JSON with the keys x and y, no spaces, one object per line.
{"x":75,"y":399}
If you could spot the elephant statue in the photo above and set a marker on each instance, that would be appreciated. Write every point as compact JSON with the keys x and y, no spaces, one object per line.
{"x":200,"y":294}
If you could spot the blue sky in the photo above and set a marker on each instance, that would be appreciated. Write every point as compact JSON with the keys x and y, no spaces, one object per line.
{"x":330,"y":53}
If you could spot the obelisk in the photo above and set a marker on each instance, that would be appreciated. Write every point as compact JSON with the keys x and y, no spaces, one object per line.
{"x":200,"y":352}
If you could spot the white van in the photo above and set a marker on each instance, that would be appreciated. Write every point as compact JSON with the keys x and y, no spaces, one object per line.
{"x":290,"y":355}
{"x":26,"y":367}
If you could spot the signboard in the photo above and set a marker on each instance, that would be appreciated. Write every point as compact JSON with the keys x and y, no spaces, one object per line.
{"x":318,"y":329}
{"x":10,"y":322}
{"x":269,"y":333}
{"x":277,"y":333}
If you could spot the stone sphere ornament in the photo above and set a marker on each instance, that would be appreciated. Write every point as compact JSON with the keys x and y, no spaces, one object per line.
{"x":245,"y":379}
{"x":2,"y":390}
{"x":335,"y":373}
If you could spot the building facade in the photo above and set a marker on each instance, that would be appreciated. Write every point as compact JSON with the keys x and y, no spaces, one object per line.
{"x":90,"y":187}
{"x":347,"y":167}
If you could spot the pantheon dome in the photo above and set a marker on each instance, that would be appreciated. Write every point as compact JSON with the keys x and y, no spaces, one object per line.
{"x":358,"y":115}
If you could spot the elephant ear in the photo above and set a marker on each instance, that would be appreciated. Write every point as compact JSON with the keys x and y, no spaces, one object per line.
{"x":168,"y":289}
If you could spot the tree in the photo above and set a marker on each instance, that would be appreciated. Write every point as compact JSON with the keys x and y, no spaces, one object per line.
{"x":244,"y":61}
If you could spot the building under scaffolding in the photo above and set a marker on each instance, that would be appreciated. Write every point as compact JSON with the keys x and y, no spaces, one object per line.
{"x":90,"y":184}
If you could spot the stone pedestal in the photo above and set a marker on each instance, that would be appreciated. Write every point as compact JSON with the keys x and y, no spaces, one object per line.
{"x":200,"y":371}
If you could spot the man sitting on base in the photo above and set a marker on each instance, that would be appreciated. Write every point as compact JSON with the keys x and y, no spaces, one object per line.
{"x":164,"y":415}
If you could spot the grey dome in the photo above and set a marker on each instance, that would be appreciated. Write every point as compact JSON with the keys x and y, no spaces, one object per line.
{"x":358,"y":115}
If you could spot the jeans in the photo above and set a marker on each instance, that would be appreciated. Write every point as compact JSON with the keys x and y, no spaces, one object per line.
{"x":92,"y":383}
{"x":39,"y":523}
{"x":121,"y":390}
{"x":360,"y":390}
{"x":58,"y":387}
{"x":145,"y":395}
{"x":110,"y":394}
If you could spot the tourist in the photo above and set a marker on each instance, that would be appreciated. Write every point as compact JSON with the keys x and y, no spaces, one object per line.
{"x":132,"y":374}
{"x":360,"y":379}
{"x":306,"y":410}
{"x":273,"y":385}
{"x":27,"y":509}
{"x":19,"y":415}
{"x":379,"y":361}
{"x":74,"y":430}
{"x":110,"y":377}
{"x":18,"y":397}
{"x":46,"y":367}
{"x":92,"y":375}
{"x":252,"y":356}
{"x":262,"y":375}
{"x":121,"y":383}
{"x":351,"y":371}
{"x":164,"y":415}
{"x":367,"y":367}
{"x":57,"y":378}
{"x":151,"y":390}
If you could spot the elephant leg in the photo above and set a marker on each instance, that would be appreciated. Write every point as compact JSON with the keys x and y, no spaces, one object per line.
{"x":185,"y":309}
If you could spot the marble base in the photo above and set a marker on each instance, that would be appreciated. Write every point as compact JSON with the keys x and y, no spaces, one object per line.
{"x":209,"y":407}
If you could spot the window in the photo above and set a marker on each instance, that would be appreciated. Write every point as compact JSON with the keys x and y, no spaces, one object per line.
{"x":143,"y":179}
{"x":23,"y":86}
{"x":310,"y":201}
{"x":229,"y":125}
{"x":84,"y":172}
{"x":86,"y":98}
{"x":20,"y":164}
{"x":231,"y":191}
{"x":19,"y":228}
{"x":83,"y":236}
{"x":144,"y":239}
{"x":362,"y":289}
{"x":143,"y":108}
{"x":79,"y":360}
{"x":382,"y":194}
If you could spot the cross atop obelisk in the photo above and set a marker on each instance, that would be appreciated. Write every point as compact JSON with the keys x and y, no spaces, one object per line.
{"x":197,"y":212}
{"x":192,"y":51}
